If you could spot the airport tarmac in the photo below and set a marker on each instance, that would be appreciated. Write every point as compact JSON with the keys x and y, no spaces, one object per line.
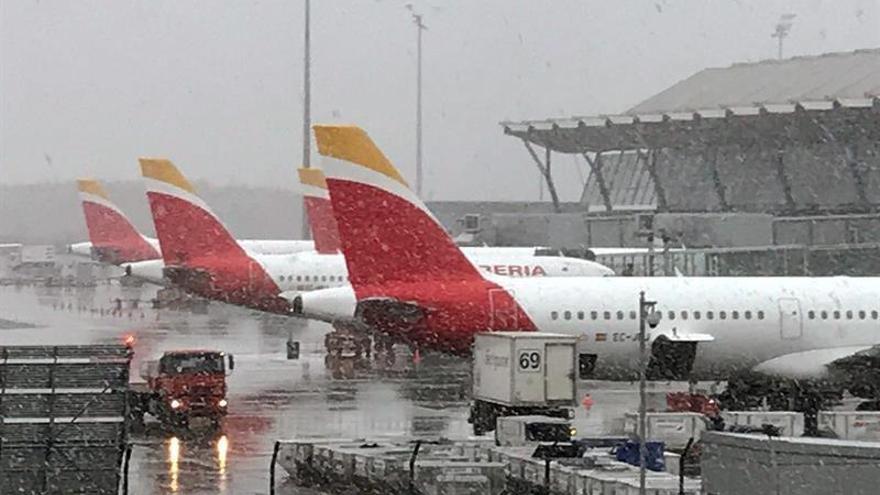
{"x":270,"y":397}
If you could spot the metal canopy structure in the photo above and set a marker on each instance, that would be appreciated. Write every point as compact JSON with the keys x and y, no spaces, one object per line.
{"x":708,"y":124}
{"x":62,"y":418}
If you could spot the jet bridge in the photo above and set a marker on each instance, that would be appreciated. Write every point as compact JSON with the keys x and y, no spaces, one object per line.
{"x":63,"y":418}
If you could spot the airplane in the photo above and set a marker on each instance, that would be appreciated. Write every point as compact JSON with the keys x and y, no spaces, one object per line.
{"x":706,"y":327}
{"x":113,"y":238}
{"x":202,"y":257}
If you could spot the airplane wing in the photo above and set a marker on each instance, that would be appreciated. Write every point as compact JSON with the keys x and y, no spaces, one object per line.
{"x":821,"y":363}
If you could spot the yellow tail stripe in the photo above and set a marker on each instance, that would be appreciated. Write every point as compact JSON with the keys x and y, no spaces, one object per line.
{"x":92,"y":186}
{"x":162,"y":169}
{"x":312,"y":177}
{"x":352,"y":144}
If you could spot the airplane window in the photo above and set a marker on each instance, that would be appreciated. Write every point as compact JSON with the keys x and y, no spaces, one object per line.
{"x":735,"y":315}
{"x":580,"y":315}
{"x":594,"y":315}
{"x":607,"y":315}
{"x":684,"y":315}
{"x":323,"y":278}
{"x":299,"y":278}
{"x":811,"y":314}
{"x":862,"y":314}
{"x":836,"y":314}
{"x":824,"y":315}
{"x":307,"y":278}
{"x":620,"y":315}
{"x":696,"y":315}
{"x":722,"y":315}
{"x":632,"y":315}
{"x":567,"y":315}
{"x":281,"y":278}
{"x":747,"y":315}
{"x":710,"y":315}
{"x":672,"y":315}
{"x":760,"y":315}
{"x":554,"y":315}
{"x":849,"y":314}
{"x":874,"y":315}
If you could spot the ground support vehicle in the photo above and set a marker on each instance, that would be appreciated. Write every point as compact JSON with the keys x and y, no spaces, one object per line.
{"x":181,"y":386}
{"x":522,"y":374}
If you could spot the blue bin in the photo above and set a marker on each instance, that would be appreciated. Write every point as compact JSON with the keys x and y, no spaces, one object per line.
{"x":629,"y":453}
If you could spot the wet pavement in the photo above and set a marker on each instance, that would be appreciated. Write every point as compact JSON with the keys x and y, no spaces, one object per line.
{"x":270,"y":397}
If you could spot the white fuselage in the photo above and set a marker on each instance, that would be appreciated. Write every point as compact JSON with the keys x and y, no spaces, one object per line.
{"x":750,"y":319}
{"x":252,"y":246}
{"x":309,"y":270}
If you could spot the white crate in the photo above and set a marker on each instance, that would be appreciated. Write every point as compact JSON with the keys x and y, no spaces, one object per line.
{"x":657,"y":485}
{"x":672,"y":428}
{"x":790,"y":423}
{"x":852,"y":425}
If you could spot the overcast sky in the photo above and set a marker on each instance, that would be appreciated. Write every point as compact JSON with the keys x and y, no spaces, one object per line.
{"x":88,"y":86}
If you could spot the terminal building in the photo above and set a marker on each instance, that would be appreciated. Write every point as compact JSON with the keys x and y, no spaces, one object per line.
{"x":769,"y":167}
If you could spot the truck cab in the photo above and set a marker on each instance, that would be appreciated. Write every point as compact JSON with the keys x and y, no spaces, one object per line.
{"x":182,"y":385}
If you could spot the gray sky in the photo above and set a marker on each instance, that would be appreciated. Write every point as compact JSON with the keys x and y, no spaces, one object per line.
{"x":216,"y":85}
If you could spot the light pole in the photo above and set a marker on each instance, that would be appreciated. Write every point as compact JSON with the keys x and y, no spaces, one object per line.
{"x":648,"y":316}
{"x":420,"y":26}
{"x":782,"y":29}
{"x":307,"y":112}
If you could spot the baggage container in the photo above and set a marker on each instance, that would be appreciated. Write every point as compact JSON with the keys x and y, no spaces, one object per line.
{"x":436,"y":477}
{"x":789,"y":423}
{"x":852,"y":425}
{"x":673,"y":429}
{"x":525,"y":430}
{"x":659,"y":486}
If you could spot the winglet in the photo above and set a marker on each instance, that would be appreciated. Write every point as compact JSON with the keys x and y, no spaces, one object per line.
{"x":387,"y":232}
{"x":320,"y":210}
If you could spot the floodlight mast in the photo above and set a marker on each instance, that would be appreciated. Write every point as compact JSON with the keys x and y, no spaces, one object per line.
{"x":420,"y":26}
{"x":307,"y":111}
{"x":647,"y":317}
{"x":783,"y":26}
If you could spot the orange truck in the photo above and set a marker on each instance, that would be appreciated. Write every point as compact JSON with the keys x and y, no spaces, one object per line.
{"x":182,"y":385}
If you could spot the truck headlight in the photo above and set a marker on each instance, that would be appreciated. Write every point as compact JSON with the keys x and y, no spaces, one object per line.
{"x":572,"y":431}
{"x":222,"y":403}
{"x":175,"y":404}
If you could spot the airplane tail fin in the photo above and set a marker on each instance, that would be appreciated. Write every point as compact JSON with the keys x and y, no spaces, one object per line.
{"x":320,"y":211}
{"x":114,"y":238}
{"x":186,"y":226}
{"x":387,"y":232}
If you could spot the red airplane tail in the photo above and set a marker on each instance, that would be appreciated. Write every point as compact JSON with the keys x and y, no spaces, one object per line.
{"x":114,"y":238}
{"x":186,"y":226}
{"x":387,"y":232}
{"x":325,"y":232}
{"x":199,"y":251}
{"x":409,"y":278}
